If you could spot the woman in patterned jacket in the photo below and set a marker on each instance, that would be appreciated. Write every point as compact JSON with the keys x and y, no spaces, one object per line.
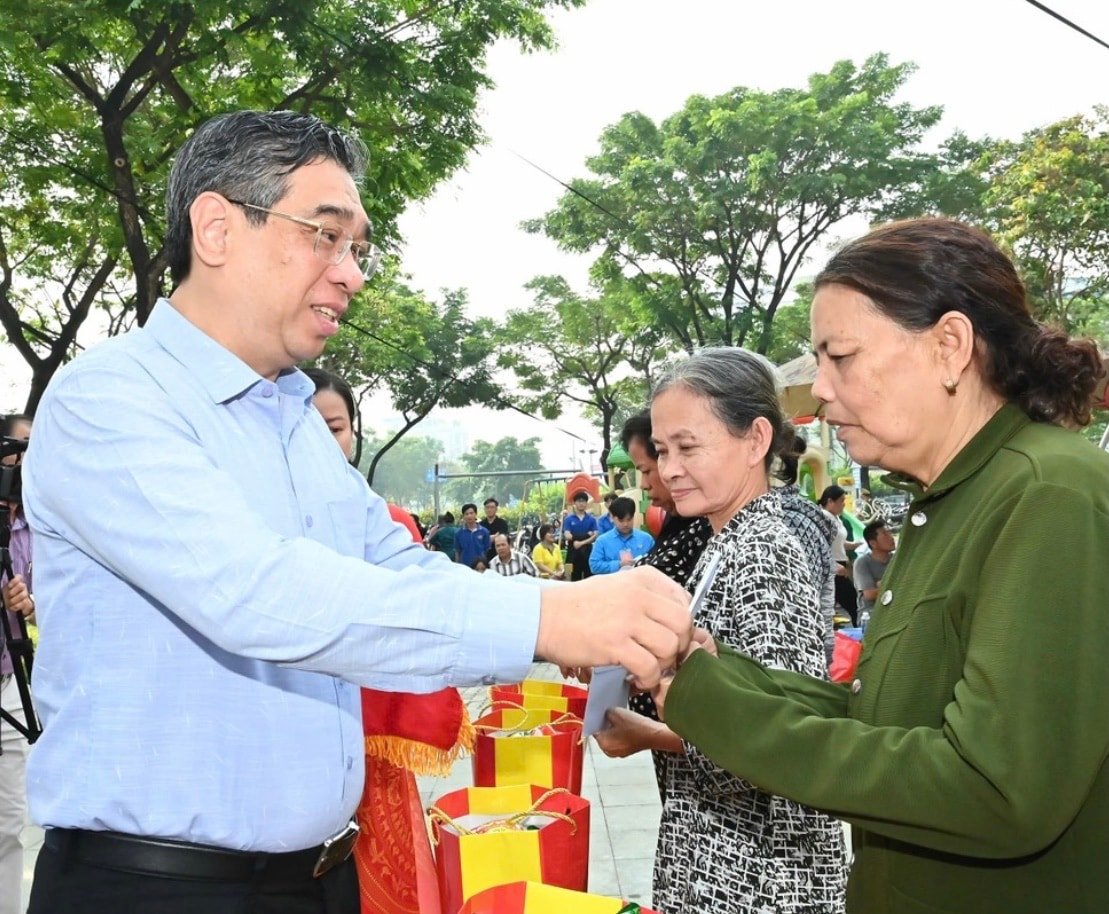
{"x":726,"y":846}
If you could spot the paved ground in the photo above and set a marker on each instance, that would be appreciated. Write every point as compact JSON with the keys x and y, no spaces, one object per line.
{"x":623,"y":819}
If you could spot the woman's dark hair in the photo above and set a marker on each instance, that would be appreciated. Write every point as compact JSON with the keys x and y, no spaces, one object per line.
{"x":639,"y":426}
{"x":545,"y":529}
{"x":790,"y":458}
{"x":326,"y":380}
{"x":831,"y":493}
{"x":740,"y":387}
{"x":917,"y":270}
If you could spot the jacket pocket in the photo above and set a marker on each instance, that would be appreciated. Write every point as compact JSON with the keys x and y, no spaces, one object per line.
{"x":908,"y":672}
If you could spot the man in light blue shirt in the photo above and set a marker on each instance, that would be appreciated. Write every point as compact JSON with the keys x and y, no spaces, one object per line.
{"x":214,"y":580}
{"x":623,"y":544}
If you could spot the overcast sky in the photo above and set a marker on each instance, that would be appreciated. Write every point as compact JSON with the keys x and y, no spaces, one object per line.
{"x":998,"y":67}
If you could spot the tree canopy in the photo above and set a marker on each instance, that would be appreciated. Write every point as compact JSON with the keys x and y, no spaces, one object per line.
{"x":586,"y":350}
{"x":711,"y":213}
{"x":98,"y":96}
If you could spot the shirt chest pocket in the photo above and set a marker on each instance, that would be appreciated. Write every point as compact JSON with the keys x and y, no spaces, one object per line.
{"x":910,"y":666}
{"x":346,"y":527}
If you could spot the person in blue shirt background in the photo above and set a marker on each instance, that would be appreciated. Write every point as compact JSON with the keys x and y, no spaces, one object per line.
{"x":621,"y":546}
{"x":225,"y":581}
{"x":472,"y":541}
{"x":579,"y":529}
{"x":604,"y":522}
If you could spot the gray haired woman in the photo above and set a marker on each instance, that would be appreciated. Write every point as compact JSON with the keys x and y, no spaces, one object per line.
{"x":724,"y":844}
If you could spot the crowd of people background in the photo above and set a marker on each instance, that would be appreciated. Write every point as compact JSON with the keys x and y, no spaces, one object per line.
{"x":228,"y":603}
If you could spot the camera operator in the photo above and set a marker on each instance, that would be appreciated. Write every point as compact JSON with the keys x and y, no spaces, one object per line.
{"x":13,"y":745}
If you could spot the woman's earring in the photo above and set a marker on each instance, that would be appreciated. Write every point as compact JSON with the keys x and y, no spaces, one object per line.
{"x":951,"y":385}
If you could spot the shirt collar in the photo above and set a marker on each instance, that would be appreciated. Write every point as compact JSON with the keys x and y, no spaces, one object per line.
{"x":222,"y":373}
{"x":993,"y":436}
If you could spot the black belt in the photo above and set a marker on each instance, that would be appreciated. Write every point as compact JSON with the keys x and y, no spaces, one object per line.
{"x":179,"y":860}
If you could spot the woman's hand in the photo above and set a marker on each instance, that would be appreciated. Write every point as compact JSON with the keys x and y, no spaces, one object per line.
{"x":702,"y":641}
{"x":630,"y":733}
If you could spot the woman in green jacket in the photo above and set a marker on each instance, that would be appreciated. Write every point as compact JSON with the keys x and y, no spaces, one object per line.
{"x":969,"y":753}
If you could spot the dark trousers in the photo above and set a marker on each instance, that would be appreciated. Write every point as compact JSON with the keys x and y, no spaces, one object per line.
{"x":580,"y":560}
{"x":64,"y":885}
{"x":848,"y":597}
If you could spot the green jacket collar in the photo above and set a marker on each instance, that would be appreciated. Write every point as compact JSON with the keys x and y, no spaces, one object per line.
{"x":1004,"y":424}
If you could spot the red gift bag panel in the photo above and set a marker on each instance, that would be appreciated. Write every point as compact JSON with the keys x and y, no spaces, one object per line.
{"x":528,"y":746}
{"x":845,"y":657}
{"x":489,"y":836}
{"x":539,"y":693}
{"x":534,"y":898}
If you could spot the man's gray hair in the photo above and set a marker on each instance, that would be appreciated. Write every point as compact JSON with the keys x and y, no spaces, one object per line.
{"x":248,"y":156}
{"x":740,"y":387}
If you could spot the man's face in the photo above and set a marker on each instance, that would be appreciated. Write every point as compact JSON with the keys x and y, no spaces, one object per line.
{"x":624,"y":525}
{"x":490,"y":510}
{"x":500,"y":543}
{"x":883,"y":540}
{"x":290,"y":300}
{"x":469,"y":517}
{"x":579,"y":505}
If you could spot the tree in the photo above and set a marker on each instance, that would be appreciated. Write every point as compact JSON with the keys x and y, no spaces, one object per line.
{"x":566,"y":347}
{"x":504,"y":454}
{"x":710,"y":214}
{"x":443,"y":358}
{"x":1048,"y":201}
{"x":401,"y":475}
{"x":97,"y":97}
{"x":792,"y":335}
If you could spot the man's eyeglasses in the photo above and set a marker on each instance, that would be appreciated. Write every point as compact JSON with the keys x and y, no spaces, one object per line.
{"x":332,"y":243}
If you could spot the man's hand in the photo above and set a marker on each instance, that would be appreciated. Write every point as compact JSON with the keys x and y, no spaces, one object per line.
{"x":17,"y":597}
{"x":639,"y":619}
{"x":629,"y":733}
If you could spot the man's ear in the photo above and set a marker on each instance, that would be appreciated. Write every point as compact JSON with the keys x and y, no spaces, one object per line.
{"x":209,"y":215}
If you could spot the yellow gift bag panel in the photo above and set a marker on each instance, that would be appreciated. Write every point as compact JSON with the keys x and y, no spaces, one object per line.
{"x":528,"y":746}
{"x":488,"y":836}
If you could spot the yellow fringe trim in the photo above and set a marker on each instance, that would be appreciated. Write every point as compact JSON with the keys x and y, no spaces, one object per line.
{"x":421,"y":758}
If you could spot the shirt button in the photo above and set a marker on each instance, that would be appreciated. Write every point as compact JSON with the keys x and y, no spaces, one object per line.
{"x":308,"y":520}
{"x":350,"y":762}
{"x":887,"y":598}
{"x":919,"y":519}
{"x":856,"y":687}
{"x":267,"y":392}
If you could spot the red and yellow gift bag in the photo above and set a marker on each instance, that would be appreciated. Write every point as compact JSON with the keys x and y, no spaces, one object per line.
{"x":528,"y":746}
{"x":535,"y":898}
{"x":487,"y":836}
{"x":539,"y":693}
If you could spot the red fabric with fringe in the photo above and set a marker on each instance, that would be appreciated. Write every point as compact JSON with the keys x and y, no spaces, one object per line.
{"x":405,"y":735}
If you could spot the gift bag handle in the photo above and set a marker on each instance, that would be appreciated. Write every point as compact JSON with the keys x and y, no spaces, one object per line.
{"x":508,"y":823}
{"x":565,"y":718}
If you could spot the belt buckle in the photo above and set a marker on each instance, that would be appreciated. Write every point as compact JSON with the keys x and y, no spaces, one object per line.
{"x":336,"y":849}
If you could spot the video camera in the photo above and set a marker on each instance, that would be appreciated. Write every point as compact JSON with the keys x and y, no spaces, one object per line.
{"x":11,"y":477}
